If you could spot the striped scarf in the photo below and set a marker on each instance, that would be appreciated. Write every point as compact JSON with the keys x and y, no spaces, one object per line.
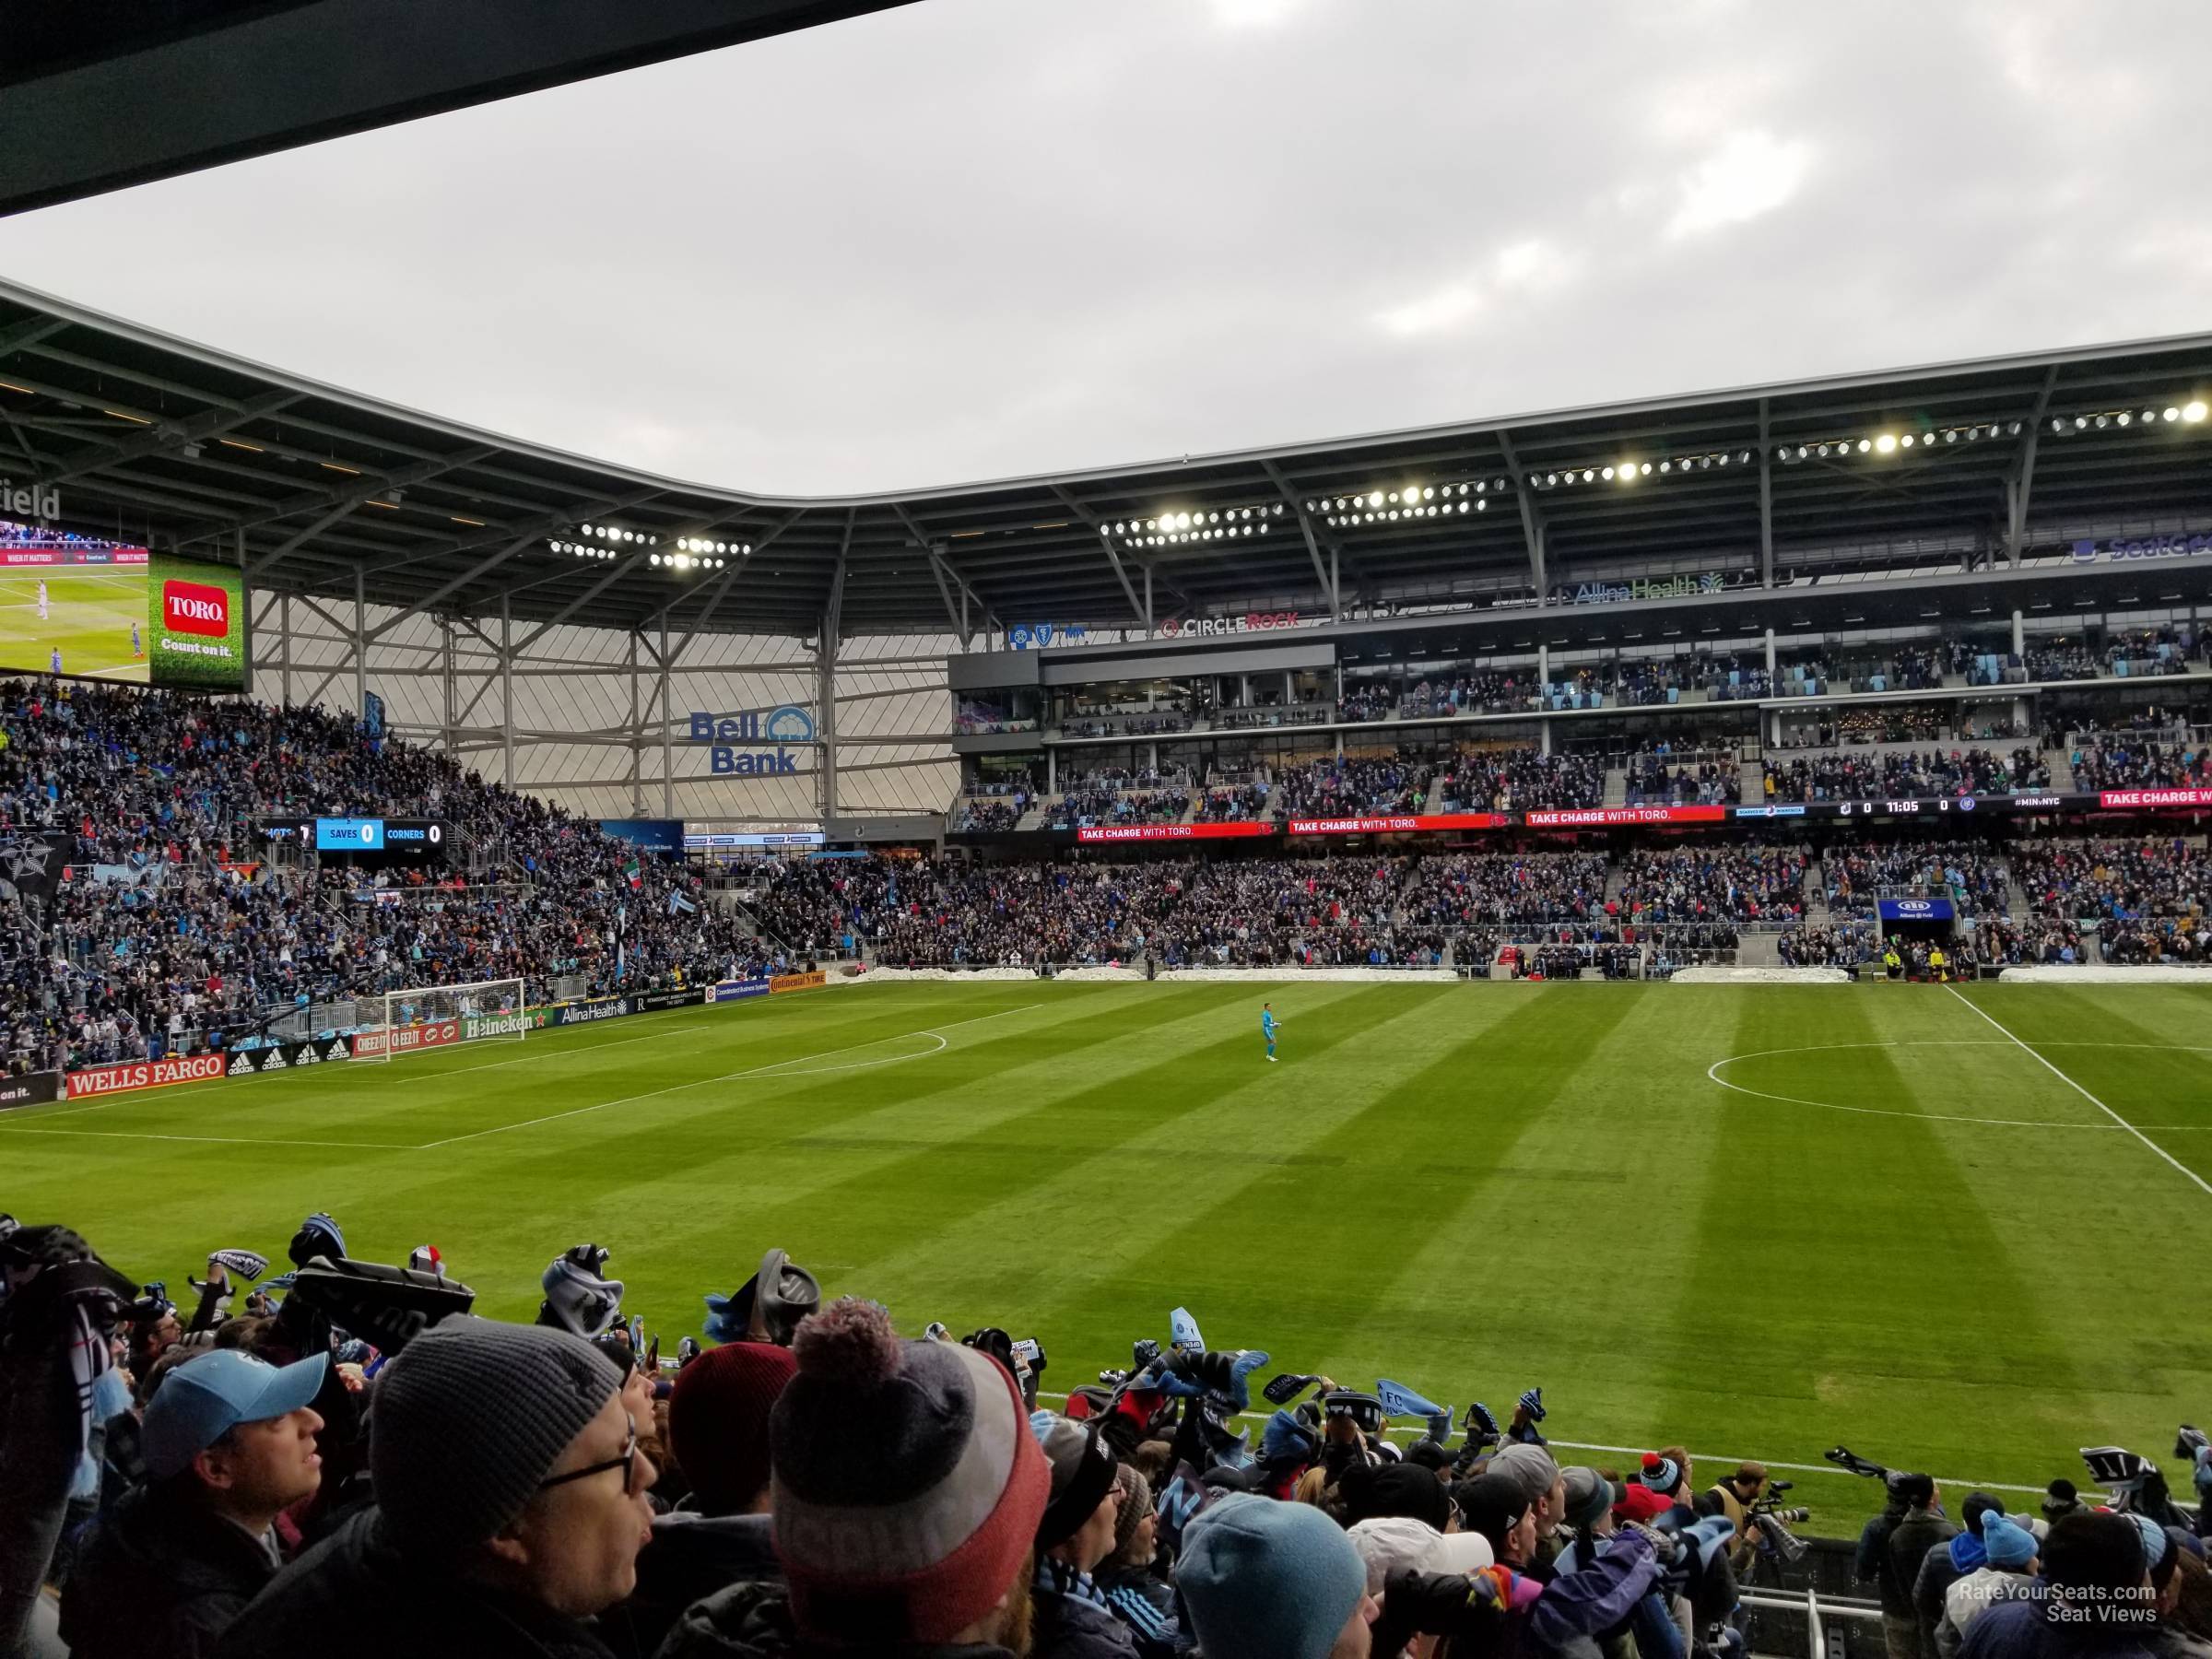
{"x":85,"y":1288}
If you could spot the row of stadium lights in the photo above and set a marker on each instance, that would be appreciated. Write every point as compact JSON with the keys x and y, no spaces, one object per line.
{"x":1442,"y":500}
{"x":1628,"y":471}
{"x":692,"y":552}
{"x":2063,"y":426}
{"x":1172,"y":529}
{"x":1408,"y":502}
{"x":2192,"y":411}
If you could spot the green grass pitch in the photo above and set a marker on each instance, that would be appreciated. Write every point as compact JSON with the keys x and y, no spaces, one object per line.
{"x":1900,"y":1229}
{"x":89,"y":615}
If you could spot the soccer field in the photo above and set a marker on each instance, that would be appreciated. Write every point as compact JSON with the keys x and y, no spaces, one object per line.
{"x":1758,"y":1220}
{"x":88,"y":615}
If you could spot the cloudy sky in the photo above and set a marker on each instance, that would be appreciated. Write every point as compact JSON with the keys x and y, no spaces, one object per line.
{"x":977,"y":237}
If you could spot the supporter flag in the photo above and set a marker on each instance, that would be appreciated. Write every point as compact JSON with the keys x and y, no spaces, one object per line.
{"x":1401,"y":1401}
{"x":1183,"y":1330}
{"x":680,"y":906}
{"x":631,"y":875}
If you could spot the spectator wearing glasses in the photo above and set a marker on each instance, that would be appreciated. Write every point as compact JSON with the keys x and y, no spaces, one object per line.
{"x":510,"y":1508}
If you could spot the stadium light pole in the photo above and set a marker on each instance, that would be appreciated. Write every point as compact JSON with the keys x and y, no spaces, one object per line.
{"x":360,"y":644}
{"x":1327,"y":578}
{"x":2020,"y":476}
{"x":1532,"y":520}
{"x":668,"y":729}
{"x":1766,"y":507}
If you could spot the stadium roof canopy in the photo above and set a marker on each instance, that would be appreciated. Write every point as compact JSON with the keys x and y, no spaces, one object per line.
{"x":314,"y":490}
{"x":101,"y":94}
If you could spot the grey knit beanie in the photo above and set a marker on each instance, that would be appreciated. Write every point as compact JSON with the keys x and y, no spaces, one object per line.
{"x":466,"y":1421}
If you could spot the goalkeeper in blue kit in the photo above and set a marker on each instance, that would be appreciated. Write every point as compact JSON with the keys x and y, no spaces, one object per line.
{"x":1267,"y":1024}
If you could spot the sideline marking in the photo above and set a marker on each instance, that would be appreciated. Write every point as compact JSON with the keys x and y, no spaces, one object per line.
{"x":735,"y":1076}
{"x":2201,"y":1184}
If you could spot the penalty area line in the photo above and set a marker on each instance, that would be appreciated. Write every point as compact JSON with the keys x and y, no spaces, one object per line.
{"x":754,"y":1071}
{"x":2183,"y":1169}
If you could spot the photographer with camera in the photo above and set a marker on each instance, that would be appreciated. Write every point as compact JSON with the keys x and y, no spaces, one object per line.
{"x":1733,"y":1498}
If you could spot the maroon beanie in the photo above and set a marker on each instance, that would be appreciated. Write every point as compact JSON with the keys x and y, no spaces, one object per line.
{"x":908,"y":1484}
{"x":718,"y":1421}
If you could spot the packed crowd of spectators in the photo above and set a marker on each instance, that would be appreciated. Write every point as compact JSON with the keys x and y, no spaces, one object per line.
{"x":1660,"y":774}
{"x":2001,"y":942}
{"x":2163,"y":649}
{"x":1089,"y":805}
{"x":1238,"y":803}
{"x":1970,"y":872}
{"x":1125,"y":722}
{"x":1362,"y":703}
{"x":1507,"y":889}
{"x":1843,"y":946}
{"x":1932,"y":773}
{"x":1738,"y":883}
{"x":345,"y":1459}
{"x":994,"y":815}
{"x":2119,"y":880}
{"x":1521,"y":780}
{"x":2118,"y":763}
{"x":2062,"y":660}
{"x":2151,"y":940}
{"x":1353,"y":784}
{"x":175,"y":926}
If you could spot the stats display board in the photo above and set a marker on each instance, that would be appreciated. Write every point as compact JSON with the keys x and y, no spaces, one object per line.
{"x":363,"y":839}
{"x":78,"y":605}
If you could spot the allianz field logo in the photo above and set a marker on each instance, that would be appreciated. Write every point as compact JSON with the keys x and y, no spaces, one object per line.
{"x":785,"y":727}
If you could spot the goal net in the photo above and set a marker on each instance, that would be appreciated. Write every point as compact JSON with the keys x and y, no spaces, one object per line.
{"x":429,"y":1016}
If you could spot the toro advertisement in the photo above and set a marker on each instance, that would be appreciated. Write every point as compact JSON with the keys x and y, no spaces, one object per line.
{"x":197,"y":624}
{"x":77,"y":604}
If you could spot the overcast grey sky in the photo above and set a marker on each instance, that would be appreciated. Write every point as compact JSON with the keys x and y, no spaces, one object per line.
{"x":975,"y":238}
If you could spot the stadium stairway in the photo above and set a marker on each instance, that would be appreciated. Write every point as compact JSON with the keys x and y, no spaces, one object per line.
{"x":2061,"y":762}
{"x":1617,"y":786}
{"x":1034,"y":818}
{"x":1816,"y":895}
{"x":1615,"y":879}
{"x":1758,"y":949}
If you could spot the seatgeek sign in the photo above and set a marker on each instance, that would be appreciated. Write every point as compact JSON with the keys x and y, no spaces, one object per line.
{"x":782,"y":728}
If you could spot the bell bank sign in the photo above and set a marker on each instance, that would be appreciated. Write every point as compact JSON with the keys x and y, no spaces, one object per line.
{"x":781,"y":728}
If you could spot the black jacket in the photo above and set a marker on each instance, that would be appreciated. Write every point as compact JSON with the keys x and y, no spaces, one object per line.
{"x":1921,"y":1531}
{"x":162,"y":1574}
{"x":353,"y":1596}
{"x":753,"y":1621}
{"x":690,"y":1557}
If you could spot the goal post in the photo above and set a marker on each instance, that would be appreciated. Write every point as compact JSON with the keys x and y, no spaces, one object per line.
{"x":428,"y":1017}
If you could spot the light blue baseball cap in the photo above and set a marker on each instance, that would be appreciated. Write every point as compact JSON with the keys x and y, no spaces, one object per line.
{"x":204,"y":1399}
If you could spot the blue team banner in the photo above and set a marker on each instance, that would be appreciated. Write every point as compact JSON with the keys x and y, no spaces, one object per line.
{"x":349,"y":835}
{"x":1914,"y":910}
{"x":736,"y":990}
